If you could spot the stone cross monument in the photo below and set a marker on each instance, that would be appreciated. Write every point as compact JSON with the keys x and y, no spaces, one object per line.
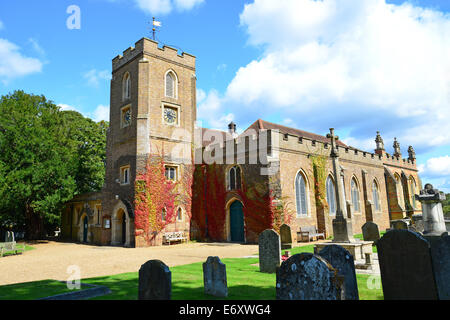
{"x":342,"y":228}
{"x":433,"y":215}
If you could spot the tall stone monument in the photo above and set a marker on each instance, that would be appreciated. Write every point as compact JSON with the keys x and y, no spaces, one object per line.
{"x":432,"y":213}
{"x":342,"y":228}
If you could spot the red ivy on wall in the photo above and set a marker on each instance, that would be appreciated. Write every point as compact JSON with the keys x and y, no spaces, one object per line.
{"x":155,"y":193}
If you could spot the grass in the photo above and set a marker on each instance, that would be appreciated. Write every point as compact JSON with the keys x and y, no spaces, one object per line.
{"x":245,"y":282}
{"x":32,"y":290}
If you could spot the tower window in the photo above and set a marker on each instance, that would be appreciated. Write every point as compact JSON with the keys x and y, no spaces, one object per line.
{"x":125,"y":175}
{"x":171,"y":173}
{"x":126,"y":86}
{"x":171,"y":86}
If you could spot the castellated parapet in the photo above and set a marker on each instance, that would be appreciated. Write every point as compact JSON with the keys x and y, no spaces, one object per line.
{"x":150,"y":48}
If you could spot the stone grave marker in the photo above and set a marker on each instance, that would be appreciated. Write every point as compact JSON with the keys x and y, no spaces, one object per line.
{"x":343,"y":262}
{"x":405,"y":265}
{"x":307,"y":276}
{"x":155,"y":281}
{"x":399,"y":225}
{"x":215,"y":277}
{"x":269,"y":251}
{"x":440,"y":256}
{"x":370,"y":231}
{"x":286,"y":237}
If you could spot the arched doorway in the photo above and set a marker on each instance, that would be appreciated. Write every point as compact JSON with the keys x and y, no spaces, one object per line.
{"x":85,"y":229}
{"x":121,"y":225}
{"x":237,"y":222}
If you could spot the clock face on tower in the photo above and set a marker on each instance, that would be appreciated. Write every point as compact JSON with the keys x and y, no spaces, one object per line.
{"x":170,"y":115}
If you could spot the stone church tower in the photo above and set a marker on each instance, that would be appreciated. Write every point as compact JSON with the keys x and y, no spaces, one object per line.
{"x":153,"y":109}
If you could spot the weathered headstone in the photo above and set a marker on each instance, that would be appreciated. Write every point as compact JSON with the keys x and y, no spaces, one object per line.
{"x":155,"y":281}
{"x":405,"y":265}
{"x":343,"y":262}
{"x":370,"y":231}
{"x":269,"y":251}
{"x":399,"y":225}
{"x":215,"y":277}
{"x":286,"y":237}
{"x":307,"y":276}
{"x":440,"y":256}
{"x":417,"y":220}
{"x":9,"y":236}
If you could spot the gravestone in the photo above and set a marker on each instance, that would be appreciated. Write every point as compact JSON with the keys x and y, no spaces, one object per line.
{"x":215,"y":277}
{"x":405,"y":265}
{"x":399,"y":225}
{"x":432,"y":212}
{"x":286,"y":237}
{"x":417,"y":220}
{"x":307,"y":276}
{"x":343,"y":262}
{"x":269,"y":251}
{"x":440,"y":256}
{"x":370,"y":231}
{"x":155,"y":281}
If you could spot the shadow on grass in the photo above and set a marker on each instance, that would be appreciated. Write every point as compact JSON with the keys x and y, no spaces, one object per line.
{"x":33,"y":290}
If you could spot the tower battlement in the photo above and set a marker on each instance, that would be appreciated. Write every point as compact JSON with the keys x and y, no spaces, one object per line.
{"x":149,"y":47}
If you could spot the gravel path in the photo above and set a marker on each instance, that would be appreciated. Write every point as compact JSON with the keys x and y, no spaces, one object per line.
{"x":51,"y":260}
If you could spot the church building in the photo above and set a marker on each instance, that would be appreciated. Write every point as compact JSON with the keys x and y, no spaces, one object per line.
{"x":165,"y":175}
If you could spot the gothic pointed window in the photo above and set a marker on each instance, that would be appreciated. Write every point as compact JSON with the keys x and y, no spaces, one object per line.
{"x":355,"y":195}
{"x":171,"y":89}
{"x":376,"y":196}
{"x":180,"y":214}
{"x":234,"y":178}
{"x":412,"y":186}
{"x":301,"y":196}
{"x":126,"y":86}
{"x":331,"y":196}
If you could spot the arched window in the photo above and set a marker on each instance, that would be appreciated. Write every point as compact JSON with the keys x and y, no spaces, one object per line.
{"x":171,"y":89}
{"x":331,"y":195}
{"x":376,"y":196}
{"x":234,"y":178}
{"x":301,"y":196}
{"x":399,"y":188}
{"x":355,"y":196}
{"x":412,"y":186}
{"x":126,"y":86}
{"x":180,"y":214}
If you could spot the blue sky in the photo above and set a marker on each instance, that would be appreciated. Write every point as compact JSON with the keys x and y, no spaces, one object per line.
{"x":358,"y":66}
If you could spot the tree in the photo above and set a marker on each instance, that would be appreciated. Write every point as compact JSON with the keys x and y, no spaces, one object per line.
{"x":44,"y":160}
{"x":446,"y":205}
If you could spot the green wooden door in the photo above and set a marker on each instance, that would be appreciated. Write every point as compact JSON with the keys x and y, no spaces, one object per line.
{"x":237,"y":222}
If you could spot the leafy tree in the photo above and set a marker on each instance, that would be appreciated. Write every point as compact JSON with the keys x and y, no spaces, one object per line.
{"x":46,"y":156}
{"x":446,"y":205}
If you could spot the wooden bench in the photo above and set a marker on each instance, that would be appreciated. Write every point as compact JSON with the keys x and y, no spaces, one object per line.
{"x":169,"y":237}
{"x":10,"y":246}
{"x":308,"y":233}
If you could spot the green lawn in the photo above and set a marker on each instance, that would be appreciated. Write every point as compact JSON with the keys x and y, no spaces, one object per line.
{"x":245,"y":282}
{"x":32,"y":290}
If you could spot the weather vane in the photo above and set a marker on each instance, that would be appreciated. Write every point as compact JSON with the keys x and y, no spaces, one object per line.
{"x":155,"y":24}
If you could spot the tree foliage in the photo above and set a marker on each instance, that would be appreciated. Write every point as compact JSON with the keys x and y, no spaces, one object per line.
{"x":46,"y":157}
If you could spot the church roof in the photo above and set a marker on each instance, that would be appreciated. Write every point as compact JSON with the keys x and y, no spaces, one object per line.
{"x":261,"y":124}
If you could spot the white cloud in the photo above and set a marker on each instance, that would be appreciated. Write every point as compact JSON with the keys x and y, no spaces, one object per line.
{"x":101,"y":113}
{"x":66,"y":107}
{"x":166,"y":6}
{"x":438,"y":167}
{"x":94,"y":77}
{"x":14,"y":64}
{"x":36,"y":46}
{"x":361,"y":66}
